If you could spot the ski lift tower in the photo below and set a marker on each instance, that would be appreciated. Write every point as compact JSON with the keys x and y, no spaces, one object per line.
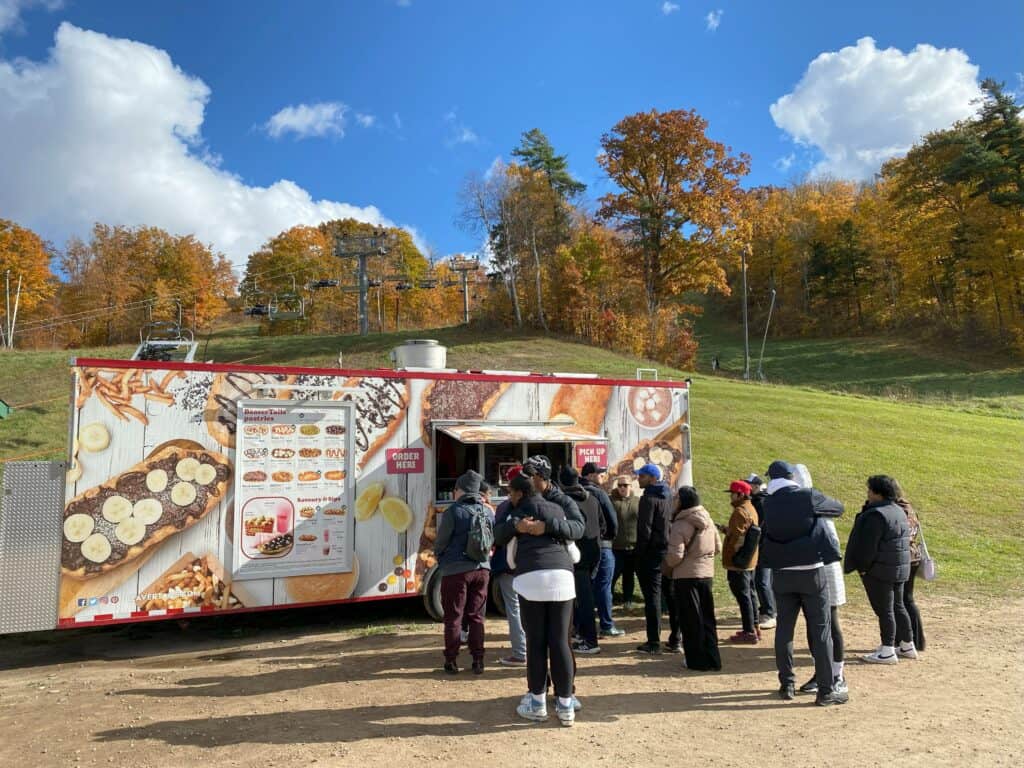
{"x":464,"y":265}
{"x":361,"y":248}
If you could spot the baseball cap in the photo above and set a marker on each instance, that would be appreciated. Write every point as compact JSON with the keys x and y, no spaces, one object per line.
{"x":739,"y":486}
{"x":755,"y":479}
{"x":649,"y":469}
{"x":780,"y":469}
{"x":567,"y":476}
{"x":590,"y":468}
{"x":514,"y":472}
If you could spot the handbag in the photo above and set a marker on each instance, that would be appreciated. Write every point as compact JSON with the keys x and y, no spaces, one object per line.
{"x":745,"y":552}
{"x":929,"y":570}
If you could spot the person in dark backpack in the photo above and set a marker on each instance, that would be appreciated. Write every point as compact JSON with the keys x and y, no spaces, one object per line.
{"x":465,"y":529}
{"x":590,"y":555}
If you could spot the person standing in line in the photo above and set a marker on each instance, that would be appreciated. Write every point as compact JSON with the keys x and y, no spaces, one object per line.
{"x":590,"y":479}
{"x":741,"y":580}
{"x":693,"y":545}
{"x":836,"y":598}
{"x":627,"y":508}
{"x":463,"y":580}
{"x":792,"y":547}
{"x":546,"y":587}
{"x":762,"y":575}
{"x":916,"y":554}
{"x":879,"y":550}
{"x":653,"y":513}
{"x":503,"y":576}
{"x":590,"y":556}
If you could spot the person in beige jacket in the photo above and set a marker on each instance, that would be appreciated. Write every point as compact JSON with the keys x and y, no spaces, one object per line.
{"x":693,"y":547}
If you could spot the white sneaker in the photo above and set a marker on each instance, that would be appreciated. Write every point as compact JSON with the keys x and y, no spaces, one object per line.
{"x":878,"y":658}
{"x":464,"y":637}
{"x":907,"y":653}
{"x":566,"y":715}
{"x":530,"y":709}
{"x":768,"y":622}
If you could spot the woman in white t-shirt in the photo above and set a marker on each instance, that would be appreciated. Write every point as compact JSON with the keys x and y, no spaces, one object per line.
{"x":546,"y":588}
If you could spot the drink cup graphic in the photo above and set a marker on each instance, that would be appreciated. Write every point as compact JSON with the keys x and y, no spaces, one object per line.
{"x":284,"y":518}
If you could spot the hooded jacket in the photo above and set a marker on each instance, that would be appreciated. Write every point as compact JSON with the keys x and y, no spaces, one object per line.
{"x":791,"y":536}
{"x":591,"y":510}
{"x":609,"y":519}
{"x":655,"y":510}
{"x":743,"y":516}
{"x":453,"y":535}
{"x":693,"y":544}
{"x":537,"y":553}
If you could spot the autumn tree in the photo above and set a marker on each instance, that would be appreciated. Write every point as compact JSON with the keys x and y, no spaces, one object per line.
{"x":25,"y":276}
{"x":677,"y":204}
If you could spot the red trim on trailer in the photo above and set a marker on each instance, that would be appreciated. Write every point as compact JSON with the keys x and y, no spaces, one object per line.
{"x":383,"y":373}
{"x":106,"y":619}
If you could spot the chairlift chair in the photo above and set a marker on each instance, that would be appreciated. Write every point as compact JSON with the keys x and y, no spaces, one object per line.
{"x":324,"y":283}
{"x":287,"y":306}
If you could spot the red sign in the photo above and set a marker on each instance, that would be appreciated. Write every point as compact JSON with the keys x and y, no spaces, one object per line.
{"x":404,"y":461}
{"x":594,"y":452}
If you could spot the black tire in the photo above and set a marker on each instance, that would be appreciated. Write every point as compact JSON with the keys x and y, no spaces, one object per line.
{"x":497,"y":599}
{"x":432,"y":594}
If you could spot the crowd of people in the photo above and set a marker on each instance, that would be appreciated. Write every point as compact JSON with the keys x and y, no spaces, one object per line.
{"x":559,"y":543}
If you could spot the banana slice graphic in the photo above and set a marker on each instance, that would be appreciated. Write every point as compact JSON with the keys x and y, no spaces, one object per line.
{"x":130,"y":531}
{"x":147,"y":511}
{"x":96,"y":548}
{"x":116,"y":508}
{"x":205,"y":474}
{"x":78,"y":527}
{"x":183,"y":494}
{"x":156,"y":480}
{"x":94,"y":437}
{"x":75,"y":473}
{"x":186,"y":468}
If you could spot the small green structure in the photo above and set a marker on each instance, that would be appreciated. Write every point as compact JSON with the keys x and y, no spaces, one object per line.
{"x":5,"y":410}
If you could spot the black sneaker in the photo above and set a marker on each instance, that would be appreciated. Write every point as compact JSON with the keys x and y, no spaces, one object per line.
{"x":787,"y":692}
{"x":586,"y":648}
{"x":651,"y":648}
{"x":811,"y":686}
{"x":478,"y":667}
{"x":451,"y":668}
{"x":673,"y":648}
{"x":832,"y":697}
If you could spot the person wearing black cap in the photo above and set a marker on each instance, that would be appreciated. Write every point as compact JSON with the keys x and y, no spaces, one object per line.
{"x":590,"y":555}
{"x":796,"y":547}
{"x":463,"y":580}
{"x":590,"y":479}
{"x":762,"y":575}
{"x":656,"y":507}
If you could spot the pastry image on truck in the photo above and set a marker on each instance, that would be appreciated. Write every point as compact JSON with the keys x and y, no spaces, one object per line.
{"x":265,"y":488}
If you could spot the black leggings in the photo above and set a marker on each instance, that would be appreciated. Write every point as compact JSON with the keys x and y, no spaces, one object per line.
{"x":917,"y":628}
{"x":547,"y":634}
{"x":838,"y":648}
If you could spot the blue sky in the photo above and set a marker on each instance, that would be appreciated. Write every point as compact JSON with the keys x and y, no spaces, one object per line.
{"x":433,"y":90}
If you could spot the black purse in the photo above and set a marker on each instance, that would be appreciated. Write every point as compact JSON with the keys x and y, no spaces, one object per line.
{"x":745,"y":553}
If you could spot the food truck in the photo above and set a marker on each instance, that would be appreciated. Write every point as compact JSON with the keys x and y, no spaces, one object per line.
{"x":194,"y":488}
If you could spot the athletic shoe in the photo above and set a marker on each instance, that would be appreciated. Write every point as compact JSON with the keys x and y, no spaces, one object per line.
{"x":613,"y":632}
{"x":451,"y":668}
{"x":672,"y":648}
{"x":586,"y":648}
{"x":651,"y":648}
{"x":512,"y":661}
{"x":478,"y":667}
{"x":628,"y":605}
{"x":878,"y":658}
{"x":576,"y":704}
{"x":787,"y":692}
{"x":811,"y":686}
{"x":839,"y":685}
{"x":530,"y":709}
{"x":768,"y":622}
{"x":746,"y":638}
{"x":832,"y":697}
{"x":907,"y":653}
{"x":566,"y":715}
{"x":464,"y":636}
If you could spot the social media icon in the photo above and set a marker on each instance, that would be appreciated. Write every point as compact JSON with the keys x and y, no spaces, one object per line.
{"x":82,"y":602}
{"x":103,"y":601}
{"x":94,"y":601}
{"x":114,"y":600}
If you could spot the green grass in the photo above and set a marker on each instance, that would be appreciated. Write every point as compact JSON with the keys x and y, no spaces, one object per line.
{"x":961,"y":467}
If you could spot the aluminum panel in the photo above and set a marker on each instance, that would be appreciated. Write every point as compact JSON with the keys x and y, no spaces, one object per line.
{"x":31,"y":513}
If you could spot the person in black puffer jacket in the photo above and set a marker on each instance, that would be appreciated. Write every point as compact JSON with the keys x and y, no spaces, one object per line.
{"x":590,"y":555}
{"x":879,"y":550}
{"x":657,"y":505}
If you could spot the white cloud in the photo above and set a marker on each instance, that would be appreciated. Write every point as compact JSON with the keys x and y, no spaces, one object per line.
{"x":404,"y":3}
{"x":667,"y":7}
{"x":713,"y":19}
{"x":496,"y":167}
{"x":109,"y":130}
{"x":861,"y":106}
{"x":10,"y":11}
{"x":366,"y":121}
{"x":398,"y":120}
{"x":457,"y":131}
{"x":323,"y":118}
{"x":783,"y":164}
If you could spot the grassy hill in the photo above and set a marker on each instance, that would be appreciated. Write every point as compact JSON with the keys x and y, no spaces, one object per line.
{"x":960,"y":466}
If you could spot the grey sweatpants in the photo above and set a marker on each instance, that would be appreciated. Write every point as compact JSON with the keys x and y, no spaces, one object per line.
{"x":808,"y":590}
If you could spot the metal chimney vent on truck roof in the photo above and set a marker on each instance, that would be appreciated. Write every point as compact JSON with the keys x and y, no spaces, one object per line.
{"x":420,"y":354}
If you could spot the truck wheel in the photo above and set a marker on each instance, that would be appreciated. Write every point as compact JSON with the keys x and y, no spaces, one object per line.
{"x":497,"y":598}
{"x":432,"y":594}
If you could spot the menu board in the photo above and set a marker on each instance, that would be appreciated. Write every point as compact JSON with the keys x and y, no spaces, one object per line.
{"x":293,"y":489}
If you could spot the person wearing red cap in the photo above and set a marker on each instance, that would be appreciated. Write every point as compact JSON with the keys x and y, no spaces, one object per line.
{"x":741,"y":579}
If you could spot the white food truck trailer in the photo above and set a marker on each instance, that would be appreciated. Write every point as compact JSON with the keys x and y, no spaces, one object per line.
{"x":202,"y":488}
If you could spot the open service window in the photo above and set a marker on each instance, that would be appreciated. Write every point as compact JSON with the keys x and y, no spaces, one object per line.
{"x":492,"y":448}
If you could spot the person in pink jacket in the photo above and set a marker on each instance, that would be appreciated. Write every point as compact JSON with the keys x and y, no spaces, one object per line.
{"x":693,"y":549}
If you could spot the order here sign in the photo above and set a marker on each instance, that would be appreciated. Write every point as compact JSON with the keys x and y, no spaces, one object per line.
{"x":404,"y":461}
{"x":595,"y":452}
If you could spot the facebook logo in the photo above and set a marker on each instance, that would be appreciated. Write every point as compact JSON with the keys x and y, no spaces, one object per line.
{"x":82,"y":602}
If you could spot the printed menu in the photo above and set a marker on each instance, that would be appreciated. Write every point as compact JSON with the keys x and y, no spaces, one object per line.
{"x":293,"y":489}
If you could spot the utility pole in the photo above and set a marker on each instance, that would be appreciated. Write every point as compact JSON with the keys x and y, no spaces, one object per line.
{"x":361,"y":248}
{"x":746,"y":330}
{"x":464,"y":265}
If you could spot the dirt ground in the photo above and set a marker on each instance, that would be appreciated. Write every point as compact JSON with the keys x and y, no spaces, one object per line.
{"x":305,"y":689}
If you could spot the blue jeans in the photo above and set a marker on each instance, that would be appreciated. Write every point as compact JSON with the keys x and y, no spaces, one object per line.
{"x":516,"y":635}
{"x":602,"y":585}
{"x":765,"y":595}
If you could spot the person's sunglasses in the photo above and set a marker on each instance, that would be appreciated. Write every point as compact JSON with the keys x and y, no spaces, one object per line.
{"x":623,"y":485}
